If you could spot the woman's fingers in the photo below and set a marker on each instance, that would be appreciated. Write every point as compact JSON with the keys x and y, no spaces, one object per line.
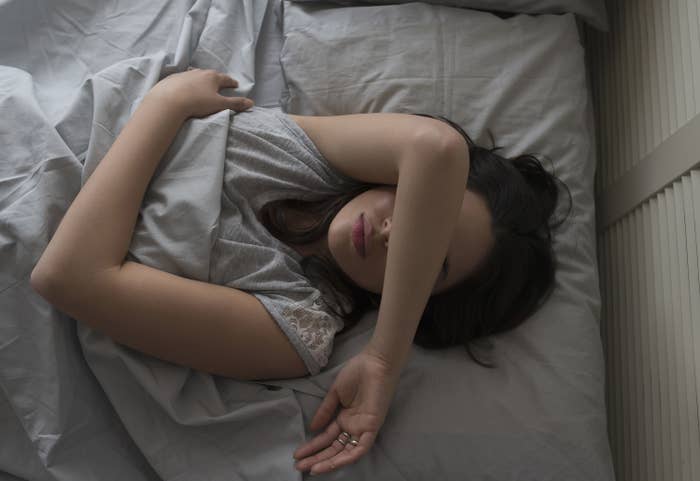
{"x":326,"y":410}
{"x":227,"y":82}
{"x":234,"y":103}
{"x":328,"y":453}
{"x":335,"y":454}
{"x":237,"y":103}
{"x":323,"y":415}
{"x":325,"y":439}
{"x":343,"y":458}
{"x":348,"y":455}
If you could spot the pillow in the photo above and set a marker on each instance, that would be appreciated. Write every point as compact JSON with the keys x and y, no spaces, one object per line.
{"x":517,"y":78}
{"x":592,"y":11}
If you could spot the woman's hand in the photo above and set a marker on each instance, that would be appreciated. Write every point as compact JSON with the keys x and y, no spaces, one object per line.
{"x":364,"y":387}
{"x":195,"y":93}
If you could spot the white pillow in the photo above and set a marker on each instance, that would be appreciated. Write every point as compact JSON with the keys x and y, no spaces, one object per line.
{"x":592,"y":11}
{"x":522,"y":77}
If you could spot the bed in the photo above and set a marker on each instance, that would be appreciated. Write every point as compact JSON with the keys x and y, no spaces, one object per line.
{"x":76,"y":406}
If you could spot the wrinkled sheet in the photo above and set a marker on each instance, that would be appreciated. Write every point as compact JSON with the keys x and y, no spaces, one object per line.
{"x":76,"y":406}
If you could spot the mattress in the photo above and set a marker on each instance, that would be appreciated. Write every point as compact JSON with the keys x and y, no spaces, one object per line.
{"x":541,"y":416}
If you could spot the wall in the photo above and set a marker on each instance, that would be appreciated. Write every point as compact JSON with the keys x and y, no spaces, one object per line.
{"x":645,"y":83}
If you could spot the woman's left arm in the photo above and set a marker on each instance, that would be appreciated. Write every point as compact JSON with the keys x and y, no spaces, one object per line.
{"x":96,"y":231}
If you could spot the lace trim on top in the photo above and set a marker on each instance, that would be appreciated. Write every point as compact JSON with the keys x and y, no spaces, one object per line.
{"x":316,"y":328}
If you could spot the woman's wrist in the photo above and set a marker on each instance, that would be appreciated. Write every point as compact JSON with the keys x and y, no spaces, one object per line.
{"x":166,"y":103}
{"x":389,"y":356}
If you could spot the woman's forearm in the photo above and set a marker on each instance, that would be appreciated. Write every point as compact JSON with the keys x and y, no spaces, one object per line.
{"x":96,"y":231}
{"x":428,"y":200}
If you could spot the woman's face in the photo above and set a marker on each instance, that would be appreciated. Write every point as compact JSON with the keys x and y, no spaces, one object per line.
{"x":471,"y":241}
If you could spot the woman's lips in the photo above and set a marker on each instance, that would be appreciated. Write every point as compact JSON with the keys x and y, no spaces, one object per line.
{"x":367,"y":231}
{"x":358,"y":236}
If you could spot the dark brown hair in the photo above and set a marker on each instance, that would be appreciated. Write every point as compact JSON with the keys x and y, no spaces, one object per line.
{"x":515,"y":279}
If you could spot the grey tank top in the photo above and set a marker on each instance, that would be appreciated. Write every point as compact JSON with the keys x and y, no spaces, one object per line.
{"x":269,"y":157}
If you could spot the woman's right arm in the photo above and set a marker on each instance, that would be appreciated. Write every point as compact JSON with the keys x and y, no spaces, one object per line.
{"x":428,"y":200}
{"x":431,"y":176}
{"x":429,"y":162}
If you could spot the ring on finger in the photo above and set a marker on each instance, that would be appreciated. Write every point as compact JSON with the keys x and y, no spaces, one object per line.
{"x":349,"y":438}
{"x":344,"y":441}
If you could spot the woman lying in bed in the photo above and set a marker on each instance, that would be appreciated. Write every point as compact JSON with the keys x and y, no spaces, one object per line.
{"x":445,"y":265}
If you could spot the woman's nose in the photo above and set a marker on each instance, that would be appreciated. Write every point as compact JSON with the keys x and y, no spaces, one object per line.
{"x":385,"y":231}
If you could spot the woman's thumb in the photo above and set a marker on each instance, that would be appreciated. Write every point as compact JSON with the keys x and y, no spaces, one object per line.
{"x":325,"y":410}
{"x":240,"y":103}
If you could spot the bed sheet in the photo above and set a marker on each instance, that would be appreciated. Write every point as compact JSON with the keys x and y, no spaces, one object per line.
{"x":125,"y":416}
{"x":58,"y":102}
{"x":269,"y":80}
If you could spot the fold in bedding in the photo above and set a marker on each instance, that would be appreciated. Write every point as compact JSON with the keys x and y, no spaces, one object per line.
{"x":89,"y":408}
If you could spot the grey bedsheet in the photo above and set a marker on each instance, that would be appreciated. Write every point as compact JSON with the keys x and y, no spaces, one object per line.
{"x":64,"y":90}
{"x":132,"y":417}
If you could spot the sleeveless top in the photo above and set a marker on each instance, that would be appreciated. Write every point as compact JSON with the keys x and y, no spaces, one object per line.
{"x":269,"y":157}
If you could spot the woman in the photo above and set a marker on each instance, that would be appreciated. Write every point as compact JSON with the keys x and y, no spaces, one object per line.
{"x":444,"y":265}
